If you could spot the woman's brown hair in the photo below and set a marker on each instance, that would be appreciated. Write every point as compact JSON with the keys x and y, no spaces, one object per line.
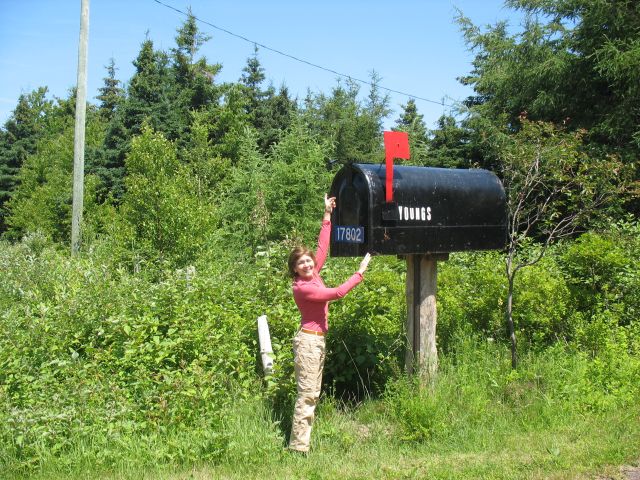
{"x":295,"y":255}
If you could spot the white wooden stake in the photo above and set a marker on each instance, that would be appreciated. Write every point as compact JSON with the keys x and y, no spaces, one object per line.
{"x":266,"y":351}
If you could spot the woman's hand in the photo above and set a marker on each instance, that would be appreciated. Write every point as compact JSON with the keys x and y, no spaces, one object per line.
{"x":329,"y":203}
{"x":364,"y":264}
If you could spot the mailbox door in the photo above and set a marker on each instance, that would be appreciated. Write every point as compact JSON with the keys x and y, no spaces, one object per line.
{"x":349,"y":235}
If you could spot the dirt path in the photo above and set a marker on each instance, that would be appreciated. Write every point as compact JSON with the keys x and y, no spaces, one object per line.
{"x":626,"y":473}
{"x":632,"y":473}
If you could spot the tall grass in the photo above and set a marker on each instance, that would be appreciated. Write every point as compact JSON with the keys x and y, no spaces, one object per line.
{"x":477,"y":420}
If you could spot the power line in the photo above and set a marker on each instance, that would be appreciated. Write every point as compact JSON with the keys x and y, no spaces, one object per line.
{"x":301,"y":60}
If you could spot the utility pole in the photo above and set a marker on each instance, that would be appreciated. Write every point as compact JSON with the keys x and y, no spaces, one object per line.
{"x":78,"y":142}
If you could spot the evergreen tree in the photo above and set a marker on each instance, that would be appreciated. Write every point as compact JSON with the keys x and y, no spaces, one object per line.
{"x":194,"y":87}
{"x":412,"y":122}
{"x":370,"y":120}
{"x":148,"y":98}
{"x":354,"y":128}
{"x":252,"y":77}
{"x":145,"y":100}
{"x":377,"y":105}
{"x":228,"y":123}
{"x":162,"y":93}
{"x":449,"y":145}
{"x":42,"y":201}
{"x":269,"y":113}
{"x":273,"y":116}
{"x":111,"y":93}
{"x":18,"y":139}
{"x":575,"y":63}
{"x":107,"y":161}
{"x":280,"y":110}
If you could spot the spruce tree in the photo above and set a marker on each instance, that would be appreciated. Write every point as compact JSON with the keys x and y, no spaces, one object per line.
{"x":280,"y":110}
{"x":193,"y":78}
{"x":574,"y":63}
{"x":111,"y":93}
{"x":18,"y":139}
{"x":147,"y":101}
{"x":412,"y":122}
{"x":252,"y":77}
{"x":449,"y":145}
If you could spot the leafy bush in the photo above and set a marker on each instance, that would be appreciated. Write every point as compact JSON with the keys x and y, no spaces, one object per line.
{"x":471,"y":293}
{"x":366,"y":344}
{"x":42,"y":202}
{"x":274,"y":198}
{"x":601,"y":269}
{"x":164,"y":216}
{"x":88,"y":353}
{"x":476,"y":392}
{"x":542,"y":304}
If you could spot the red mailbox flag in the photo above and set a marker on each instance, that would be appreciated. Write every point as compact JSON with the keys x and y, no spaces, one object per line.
{"x":396,"y":145}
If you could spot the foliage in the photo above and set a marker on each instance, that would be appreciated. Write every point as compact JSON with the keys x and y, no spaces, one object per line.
{"x":475,"y":392}
{"x":269,"y":199}
{"x":269,"y":113}
{"x":449,"y":145}
{"x":142,"y":352}
{"x":572,"y":63}
{"x":412,"y":122}
{"x":353,"y":129}
{"x":92,"y":353}
{"x":42,"y":201}
{"x":581,"y":60}
{"x":366,"y":345}
{"x":601,"y":271}
{"x":554,"y":188}
{"x":169,"y":222}
{"x":164,"y":91}
{"x":94,"y":356}
{"x":111,"y":94}
{"x":472,"y":289}
{"x":18,"y":139}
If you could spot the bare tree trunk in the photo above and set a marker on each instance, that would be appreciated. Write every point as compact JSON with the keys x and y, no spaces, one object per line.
{"x":512,"y":330}
{"x":511,"y":275}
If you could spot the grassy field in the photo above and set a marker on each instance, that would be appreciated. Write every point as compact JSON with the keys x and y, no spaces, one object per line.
{"x":539,"y":438}
{"x":362,"y":444}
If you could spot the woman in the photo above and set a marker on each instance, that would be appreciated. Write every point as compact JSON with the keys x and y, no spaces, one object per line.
{"x":312,"y":298}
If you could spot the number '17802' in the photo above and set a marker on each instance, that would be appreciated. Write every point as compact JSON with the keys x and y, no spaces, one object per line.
{"x":348,"y":234}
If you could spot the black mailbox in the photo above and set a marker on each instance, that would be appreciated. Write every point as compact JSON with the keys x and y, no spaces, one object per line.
{"x":434,"y":210}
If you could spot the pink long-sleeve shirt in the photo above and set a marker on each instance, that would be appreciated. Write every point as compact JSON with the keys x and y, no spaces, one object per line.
{"x":311,"y":296}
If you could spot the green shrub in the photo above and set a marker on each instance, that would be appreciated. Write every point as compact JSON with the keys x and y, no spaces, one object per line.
{"x":89,"y":353}
{"x":366,"y":344}
{"x":471,"y":293}
{"x":163,"y":216}
{"x":612,"y":364}
{"x":602,"y":270}
{"x":542,"y":304}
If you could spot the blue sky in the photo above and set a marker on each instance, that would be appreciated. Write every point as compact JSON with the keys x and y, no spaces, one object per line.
{"x":415,"y":46}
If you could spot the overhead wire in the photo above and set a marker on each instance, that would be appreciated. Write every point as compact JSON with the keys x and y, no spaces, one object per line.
{"x":301,"y":60}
